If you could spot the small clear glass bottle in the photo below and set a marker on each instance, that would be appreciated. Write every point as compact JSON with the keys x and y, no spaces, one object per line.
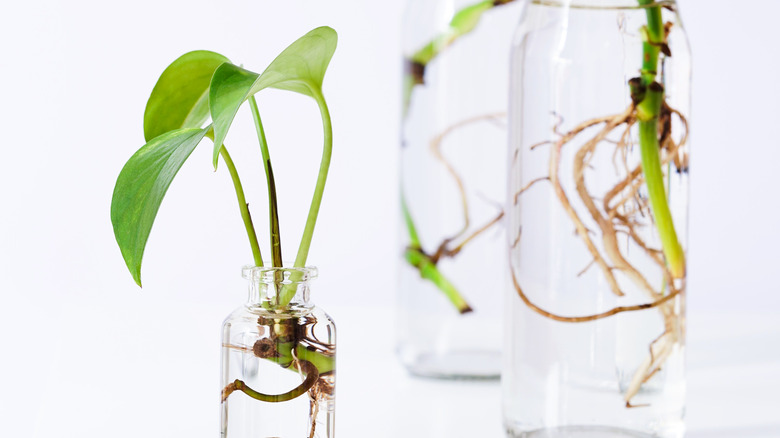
{"x":597,"y":220}
{"x":453,"y":142}
{"x":278,"y":360}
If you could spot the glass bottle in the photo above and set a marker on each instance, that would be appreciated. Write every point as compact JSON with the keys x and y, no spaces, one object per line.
{"x":597,"y":220}
{"x":278,"y":361}
{"x":453,"y":141}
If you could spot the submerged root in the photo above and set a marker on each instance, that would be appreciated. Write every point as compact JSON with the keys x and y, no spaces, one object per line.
{"x":306,"y":367}
{"x":660,"y":350}
{"x":319,"y":393}
{"x":555,"y":160}
{"x":588,"y":318}
{"x":436,"y":145}
{"x":622,"y":211}
{"x":450,"y":247}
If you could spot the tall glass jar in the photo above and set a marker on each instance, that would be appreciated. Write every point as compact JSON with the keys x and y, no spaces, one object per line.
{"x":452,"y":181}
{"x":278,"y":361}
{"x":598,"y":220}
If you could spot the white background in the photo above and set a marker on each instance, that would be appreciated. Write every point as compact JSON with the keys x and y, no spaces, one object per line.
{"x":85,"y":353}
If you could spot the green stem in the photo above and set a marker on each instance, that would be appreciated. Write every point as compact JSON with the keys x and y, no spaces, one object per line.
{"x":288,"y":292}
{"x":463,"y":22}
{"x":429,"y":271}
{"x":312,"y":374}
{"x":651,"y":164}
{"x":416,"y":257}
{"x":414,"y":238}
{"x":324,"y":362}
{"x":648,"y":111}
{"x":242,"y":204}
{"x":319,"y":188}
{"x":273,"y":206}
{"x":653,"y":39}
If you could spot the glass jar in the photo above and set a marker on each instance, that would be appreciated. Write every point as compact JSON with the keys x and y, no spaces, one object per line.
{"x":453,"y":141}
{"x":278,"y":360}
{"x":597,"y":220}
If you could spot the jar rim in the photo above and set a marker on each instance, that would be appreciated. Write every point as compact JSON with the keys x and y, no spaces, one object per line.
{"x":268,"y":274}
{"x":603,"y":4}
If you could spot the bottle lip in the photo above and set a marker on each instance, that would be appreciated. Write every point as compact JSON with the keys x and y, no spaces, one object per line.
{"x":602,"y":4}
{"x":269,"y":274}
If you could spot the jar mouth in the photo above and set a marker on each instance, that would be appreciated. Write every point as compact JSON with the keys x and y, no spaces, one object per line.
{"x":602,"y":4}
{"x":270,"y":274}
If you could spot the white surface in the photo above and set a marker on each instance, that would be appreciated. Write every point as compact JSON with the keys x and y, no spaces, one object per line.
{"x":75,"y":78}
{"x":128,"y":373}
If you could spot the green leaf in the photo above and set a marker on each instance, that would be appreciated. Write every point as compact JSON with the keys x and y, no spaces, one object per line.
{"x":140,"y":189}
{"x":180,"y":97}
{"x":300,"y":68}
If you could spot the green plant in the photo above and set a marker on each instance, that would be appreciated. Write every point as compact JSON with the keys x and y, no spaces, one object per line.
{"x":200,"y":85}
{"x":462,"y":23}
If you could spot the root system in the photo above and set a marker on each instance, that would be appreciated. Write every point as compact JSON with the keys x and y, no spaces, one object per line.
{"x":621,"y":213}
{"x":451,"y":246}
{"x":287,"y":337}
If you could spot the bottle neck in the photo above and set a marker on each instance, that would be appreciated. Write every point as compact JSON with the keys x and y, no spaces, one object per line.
{"x":279,"y":288}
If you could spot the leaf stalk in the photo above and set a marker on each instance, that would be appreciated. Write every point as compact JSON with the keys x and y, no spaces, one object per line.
{"x":243,"y":206}
{"x":273,"y":206}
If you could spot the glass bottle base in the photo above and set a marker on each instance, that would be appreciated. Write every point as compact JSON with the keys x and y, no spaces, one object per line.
{"x":579,"y":432}
{"x":676,"y":430}
{"x":458,"y":365}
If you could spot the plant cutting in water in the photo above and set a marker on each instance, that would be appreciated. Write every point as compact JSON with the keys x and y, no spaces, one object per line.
{"x":200,"y":85}
{"x":426,"y":262}
{"x":624,"y":209}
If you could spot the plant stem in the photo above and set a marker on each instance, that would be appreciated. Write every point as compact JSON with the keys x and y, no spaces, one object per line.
{"x":273,"y":206}
{"x":314,"y":209}
{"x":414,"y":238}
{"x":648,"y":110}
{"x":242,"y":204}
{"x":429,"y":271}
{"x":462,"y":23}
{"x":312,"y":374}
{"x":654,"y":177}
{"x":416,"y":257}
{"x":654,"y":38}
{"x":288,"y":292}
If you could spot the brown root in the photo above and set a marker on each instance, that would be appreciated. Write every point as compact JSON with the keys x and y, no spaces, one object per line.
{"x":622,"y":211}
{"x":436,"y":144}
{"x":310,"y":371}
{"x":582,"y":231}
{"x":588,"y":318}
{"x":319,"y":393}
{"x":445,"y":248}
{"x":608,"y":233}
{"x":529,"y":185}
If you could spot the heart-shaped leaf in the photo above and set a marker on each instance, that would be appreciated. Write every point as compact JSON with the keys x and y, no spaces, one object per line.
{"x":180,"y":97}
{"x":300,"y":68}
{"x":140,"y":189}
